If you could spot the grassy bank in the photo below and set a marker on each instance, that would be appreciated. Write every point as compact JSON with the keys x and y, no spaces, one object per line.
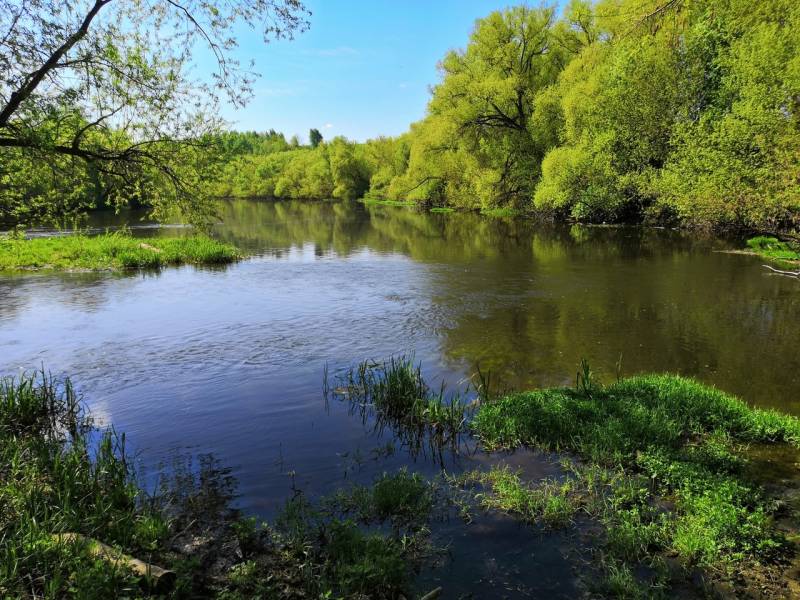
{"x":773,"y":249}
{"x":660,"y":463}
{"x":67,"y":487}
{"x":111,"y":251}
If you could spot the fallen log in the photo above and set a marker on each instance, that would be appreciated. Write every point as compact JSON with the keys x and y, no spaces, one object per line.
{"x":433,"y":594}
{"x":780,"y":272}
{"x":158,"y":579}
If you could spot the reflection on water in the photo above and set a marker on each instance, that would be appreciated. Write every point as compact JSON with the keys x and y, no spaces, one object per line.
{"x":231,"y":360}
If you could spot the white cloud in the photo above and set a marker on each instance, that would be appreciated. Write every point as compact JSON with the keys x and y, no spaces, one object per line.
{"x":328,"y":126}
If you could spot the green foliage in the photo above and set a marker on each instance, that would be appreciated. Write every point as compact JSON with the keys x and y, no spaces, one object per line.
{"x":111,"y":251}
{"x":99,"y":107}
{"x":619,"y":111}
{"x":650,"y":438}
{"x":773,"y":248}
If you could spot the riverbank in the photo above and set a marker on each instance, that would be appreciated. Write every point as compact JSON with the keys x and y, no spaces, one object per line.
{"x":110,"y":251}
{"x":75,"y":522}
{"x":661,"y":463}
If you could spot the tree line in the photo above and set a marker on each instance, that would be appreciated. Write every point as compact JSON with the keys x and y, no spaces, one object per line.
{"x":656,"y":111}
{"x":679,"y":111}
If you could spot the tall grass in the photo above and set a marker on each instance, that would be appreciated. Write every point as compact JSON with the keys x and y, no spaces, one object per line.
{"x":58,"y":477}
{"x":394,"y":393}
{"x":59,"y":474}
{"x":110,"y":251}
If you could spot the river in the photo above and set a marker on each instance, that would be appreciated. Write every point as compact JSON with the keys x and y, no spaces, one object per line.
{"x":230,"y":361}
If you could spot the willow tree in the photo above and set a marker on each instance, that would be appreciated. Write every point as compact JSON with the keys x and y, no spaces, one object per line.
{"x":105,"y":96}
{"x":480,"y":143}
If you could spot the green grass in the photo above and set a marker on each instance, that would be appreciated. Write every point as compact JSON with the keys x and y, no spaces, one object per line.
{"x":500,"y":212}
{"x":773,"y":248}
{"x":57,"y":479}
{"x":59,"y":474}
{"x":442,"y":209}
{"x":379,"y":202}
{"x":111,"y":251}
{"x":550,"y":502}
{"x":394,"y":393}
{"x":661,"y":467}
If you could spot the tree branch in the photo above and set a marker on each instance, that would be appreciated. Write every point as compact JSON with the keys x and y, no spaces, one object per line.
{"x":19,"y":96}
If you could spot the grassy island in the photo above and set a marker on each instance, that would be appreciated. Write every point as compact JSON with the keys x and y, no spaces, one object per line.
{"x":111,"y":251}
{"x":774,"y":249}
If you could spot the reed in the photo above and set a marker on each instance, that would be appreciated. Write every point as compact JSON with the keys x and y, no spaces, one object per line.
{"x":394,"y":393}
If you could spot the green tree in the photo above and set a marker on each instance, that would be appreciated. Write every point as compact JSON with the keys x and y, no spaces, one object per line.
{"x":480,"y":145}
{"x":314,"y":137}
{"x":105,"y":88}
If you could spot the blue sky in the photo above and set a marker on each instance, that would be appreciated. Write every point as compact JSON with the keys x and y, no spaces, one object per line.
{"x":363,"y":68}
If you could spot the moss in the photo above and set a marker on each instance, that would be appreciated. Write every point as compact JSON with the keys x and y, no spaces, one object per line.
{"x":112,"y":251}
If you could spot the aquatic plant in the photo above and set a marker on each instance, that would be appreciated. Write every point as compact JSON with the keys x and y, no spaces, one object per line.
{"x":340,"y":557}
{"x":550,"y":502}
{"x":67,"y":487}
{"x":394,"y":393}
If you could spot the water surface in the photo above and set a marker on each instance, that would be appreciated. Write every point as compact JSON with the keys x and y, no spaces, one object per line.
{"x":230,"y":360}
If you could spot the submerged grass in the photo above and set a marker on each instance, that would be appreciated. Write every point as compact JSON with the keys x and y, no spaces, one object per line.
{"x":111,"y":251}
{"x":660,"y":467}
{"x":395,"y":394}
{"x":61,"y":475}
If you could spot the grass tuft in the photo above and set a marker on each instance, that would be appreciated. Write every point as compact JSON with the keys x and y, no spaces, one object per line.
{"x":773,"y":248}
{"x":395,"y":393}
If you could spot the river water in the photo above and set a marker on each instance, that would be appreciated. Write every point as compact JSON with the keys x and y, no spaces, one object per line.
{"x":230,"y":360}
